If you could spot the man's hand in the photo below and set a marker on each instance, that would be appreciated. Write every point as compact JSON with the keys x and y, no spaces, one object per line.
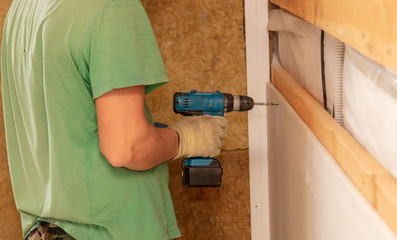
{"x":200,"y":136}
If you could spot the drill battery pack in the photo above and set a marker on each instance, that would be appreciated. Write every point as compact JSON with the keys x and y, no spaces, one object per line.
{"x":201,"y":172}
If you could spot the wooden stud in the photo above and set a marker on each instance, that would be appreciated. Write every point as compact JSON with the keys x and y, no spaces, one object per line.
{"x":386,"y":199}
{"x":369,"y":26}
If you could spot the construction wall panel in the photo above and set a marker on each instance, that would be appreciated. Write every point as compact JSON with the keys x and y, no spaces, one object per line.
{"x":310,"y":195}
{"x":203,"y":47}
{"x":215,"y":213}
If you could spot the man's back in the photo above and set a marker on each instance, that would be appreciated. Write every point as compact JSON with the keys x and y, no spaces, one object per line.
{"x":57,"y":57}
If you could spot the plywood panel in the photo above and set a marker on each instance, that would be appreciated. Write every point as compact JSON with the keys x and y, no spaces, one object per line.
{"x":310,"y":196}
{"x":10,"y":225}
{"x":369,"y":26}
{"x":203,"y":47}
{"x":215,"y":213}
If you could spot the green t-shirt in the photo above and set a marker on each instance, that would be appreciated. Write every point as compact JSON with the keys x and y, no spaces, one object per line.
{"x":57,"y":57}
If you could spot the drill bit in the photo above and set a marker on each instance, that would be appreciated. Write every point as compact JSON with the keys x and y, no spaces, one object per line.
{"x":268,"y":104}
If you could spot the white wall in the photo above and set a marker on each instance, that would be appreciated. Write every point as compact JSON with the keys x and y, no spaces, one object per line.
{"x":257,"y":41}
{"x":311,"y":198}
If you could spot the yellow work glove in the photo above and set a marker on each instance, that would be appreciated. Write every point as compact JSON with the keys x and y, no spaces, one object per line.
{"x":200,"y":136}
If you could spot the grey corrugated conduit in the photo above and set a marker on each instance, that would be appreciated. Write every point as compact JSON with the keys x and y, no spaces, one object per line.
{"x":339,"y":54}
{"x":334,"y":58}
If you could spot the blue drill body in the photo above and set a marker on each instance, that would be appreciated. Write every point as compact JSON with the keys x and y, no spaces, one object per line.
{"x":202,"y":171}
{"x":200,"y":103}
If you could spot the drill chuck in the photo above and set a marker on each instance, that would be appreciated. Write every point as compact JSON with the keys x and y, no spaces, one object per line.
{"x":242,"y":103}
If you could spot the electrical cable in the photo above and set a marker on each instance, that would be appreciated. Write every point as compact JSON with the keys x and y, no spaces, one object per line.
{"x":323,"y":72}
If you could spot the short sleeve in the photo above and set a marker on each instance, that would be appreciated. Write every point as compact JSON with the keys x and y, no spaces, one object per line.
{"x":123,"y":49}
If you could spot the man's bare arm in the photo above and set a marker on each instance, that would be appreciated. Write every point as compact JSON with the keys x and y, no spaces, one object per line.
{"x":125,"y":137}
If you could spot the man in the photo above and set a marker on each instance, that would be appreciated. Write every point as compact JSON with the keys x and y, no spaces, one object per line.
{"x":85,"y":160}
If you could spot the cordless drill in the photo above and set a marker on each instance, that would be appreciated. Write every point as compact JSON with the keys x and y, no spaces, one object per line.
{"x":207,"y":171}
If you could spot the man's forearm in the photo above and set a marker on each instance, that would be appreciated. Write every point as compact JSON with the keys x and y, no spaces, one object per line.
{"x":160,"y":145}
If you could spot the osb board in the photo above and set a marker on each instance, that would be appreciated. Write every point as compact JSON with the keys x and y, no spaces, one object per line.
{"x":215,"y":213}
{"x":203,"y":47}
{"x":10,"y":224}
{"x":368,"y":26}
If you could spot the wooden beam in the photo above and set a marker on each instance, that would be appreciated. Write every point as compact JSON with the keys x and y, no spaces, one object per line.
{"x":386,"y":200}
{"x":369,"y":26}
{"x":371,"y":179}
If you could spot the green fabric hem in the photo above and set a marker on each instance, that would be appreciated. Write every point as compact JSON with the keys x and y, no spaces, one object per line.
{"x":173,"y":235}
{"x":34,"y":226}
{"x":151,"y":83}
{"x":69,"y":230}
